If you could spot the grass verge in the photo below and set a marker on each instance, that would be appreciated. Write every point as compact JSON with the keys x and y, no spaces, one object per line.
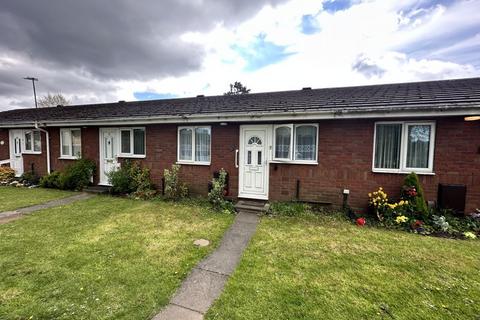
{"x":102,"y":258}
{"x":14,"y":198}
{"x":323,"y":267}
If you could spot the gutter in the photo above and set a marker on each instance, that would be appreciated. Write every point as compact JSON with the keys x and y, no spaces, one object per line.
{"x":330,"y":113}
{"x":47,"y":138}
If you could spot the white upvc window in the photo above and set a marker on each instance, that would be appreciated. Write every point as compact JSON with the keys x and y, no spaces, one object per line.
{"x":295,"y":143}
{"x":32,"y":141}
{"x":194,"y":145}
{"x":404,"y":147}
{"x":132,"y":142}
{"x":70,"y":143}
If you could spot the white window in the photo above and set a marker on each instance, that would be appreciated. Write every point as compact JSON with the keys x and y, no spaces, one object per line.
{"x":295,"y":143}
{"x":194,"y":145}
{"x":132,"y":142}
{"x":403,"y":147}
{"x":33,"y":141}
{"x":71,"y":143}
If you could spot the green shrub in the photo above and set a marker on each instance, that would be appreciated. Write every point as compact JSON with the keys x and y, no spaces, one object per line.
{"x":77,"y":175}
{"x":7,"y":175}
{"x":29,"y":178}
{"x":413,"y":192}
{"x":51,"y":181}
{"x":132,"y":179}
{"x":173,"y":188}
{"x":216,"y":196}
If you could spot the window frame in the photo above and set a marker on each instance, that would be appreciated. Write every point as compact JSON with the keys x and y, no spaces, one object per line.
{"x":70,"y":147}
{"x":291,"y":159}
{"x":403,"y":169}
{"x":131,"y":154}
{"x":193,"y":161}
{"x":24,"y":143}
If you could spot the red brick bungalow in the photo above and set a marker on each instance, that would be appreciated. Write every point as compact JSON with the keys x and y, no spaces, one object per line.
{"x":307,"y":144}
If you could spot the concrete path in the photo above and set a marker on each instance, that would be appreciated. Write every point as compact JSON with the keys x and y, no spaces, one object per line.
{"x":206,"y":281}
{"x":8,"y":216}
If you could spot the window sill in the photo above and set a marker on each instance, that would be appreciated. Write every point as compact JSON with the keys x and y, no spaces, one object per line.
{"x":132,"y":156}
{"x":68,"y":158}
{"x":193,"y":163}
{"x":31,"y":152}
{"x":404,"y":172}
{"x":314,"y":163}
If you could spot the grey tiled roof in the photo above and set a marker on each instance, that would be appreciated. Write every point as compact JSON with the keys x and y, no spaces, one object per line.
{"x":428,"y":94}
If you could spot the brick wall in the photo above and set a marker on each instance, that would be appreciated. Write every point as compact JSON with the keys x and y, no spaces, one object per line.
{"x":345,"y":161}
{"x":344,"y":156}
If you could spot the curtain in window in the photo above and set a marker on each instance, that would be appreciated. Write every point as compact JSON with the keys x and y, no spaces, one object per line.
{"x":282,"y":142}
{"x":138,"y":141}
{"x":76,"y":143}
{"x":65,"y":143}
{"x":37,"y":141}
{"x":387,"y":146}
{"x":202,"y":144}
{"x":185,"y":144}
{"x":305,"y":143}
{"x":28,"y":141}
{"x":418,"y":146}
{"x":125,"y":141}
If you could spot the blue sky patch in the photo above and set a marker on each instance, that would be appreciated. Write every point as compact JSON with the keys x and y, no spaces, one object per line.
{"x":147,"y":95}
{"x":336,"y":5}
{"x":261,"y":53}
{"x":309,"y":24}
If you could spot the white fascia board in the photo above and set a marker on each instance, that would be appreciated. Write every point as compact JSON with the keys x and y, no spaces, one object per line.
{"x":331,"y":113}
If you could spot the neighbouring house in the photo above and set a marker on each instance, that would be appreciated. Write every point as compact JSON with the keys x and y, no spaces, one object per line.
{"x":308,"y":144}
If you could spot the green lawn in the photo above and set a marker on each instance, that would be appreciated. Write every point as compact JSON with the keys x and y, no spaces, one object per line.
{"x":102,"y":258}
{"x":14,"y":198}
{"x":326,"y":268}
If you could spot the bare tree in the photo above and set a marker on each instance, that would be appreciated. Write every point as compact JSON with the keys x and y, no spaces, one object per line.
{"x":53,"y":100}
{"x":237,"y":88}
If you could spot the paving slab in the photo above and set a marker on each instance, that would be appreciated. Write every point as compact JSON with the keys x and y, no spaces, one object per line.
{"x":199,"y":290}
{"x":176,"y":312}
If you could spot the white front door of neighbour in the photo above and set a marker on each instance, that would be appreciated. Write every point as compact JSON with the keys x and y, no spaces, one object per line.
{"x":16,"y":159}
{"x":108,"y":153}
{"x":253,"y":161}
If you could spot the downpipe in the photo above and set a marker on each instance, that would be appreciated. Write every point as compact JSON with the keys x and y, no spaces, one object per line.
{"x":47,"y":138}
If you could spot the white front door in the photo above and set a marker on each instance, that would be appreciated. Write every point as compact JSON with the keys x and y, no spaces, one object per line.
{"x":108,"y":153}
{"x":16,"y":159}
{"x":253,"y":161}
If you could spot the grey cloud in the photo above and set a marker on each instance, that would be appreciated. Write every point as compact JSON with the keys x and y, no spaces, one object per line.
{"x":367,"y":67}
{"x":116,"y":40}
{"x":82,"y":47}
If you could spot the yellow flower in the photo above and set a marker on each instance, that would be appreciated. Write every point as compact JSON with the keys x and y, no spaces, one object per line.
{"x":401,"y":203}
{"x":401,"y":219}
{"x":369,"y":195}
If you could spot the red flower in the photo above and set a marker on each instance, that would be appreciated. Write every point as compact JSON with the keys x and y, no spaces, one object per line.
{"x":361,"y":221}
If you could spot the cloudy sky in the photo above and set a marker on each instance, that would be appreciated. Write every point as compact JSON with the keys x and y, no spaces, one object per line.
{"x":98,"y":51}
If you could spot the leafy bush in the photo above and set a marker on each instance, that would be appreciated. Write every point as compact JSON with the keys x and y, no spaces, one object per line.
{"x":51,"y":181}
{"x":77,"y":175}
{"x":74,"y":177}
{"x":132,"y":179}
{"x":412,"y":191}
{"x":29,"y":178}
{"x":216,"y":196}
{"x":440,"y":223}
{"x":7,"y":175}
{"x":173,"y":188}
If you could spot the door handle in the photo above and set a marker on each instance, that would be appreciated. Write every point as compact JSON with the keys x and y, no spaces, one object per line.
{"x":236,"y":158}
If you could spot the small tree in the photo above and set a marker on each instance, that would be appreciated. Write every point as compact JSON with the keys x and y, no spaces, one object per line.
{"x":236,"y":89}
{"x":173,"y":188}
{"x":413,"y":192}
{"x":53,"y":100}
